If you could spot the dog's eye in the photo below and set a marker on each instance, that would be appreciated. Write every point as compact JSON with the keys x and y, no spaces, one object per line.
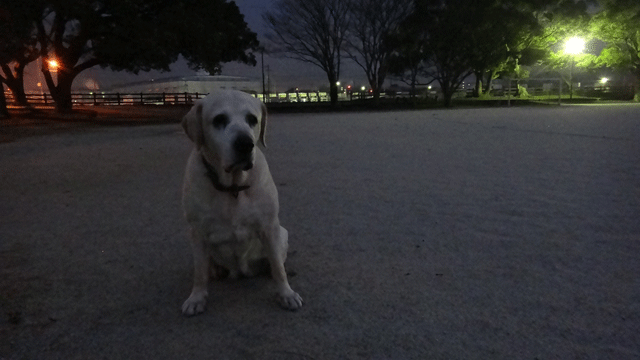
{"x":220,"y":121}
{"x":252,"y":120}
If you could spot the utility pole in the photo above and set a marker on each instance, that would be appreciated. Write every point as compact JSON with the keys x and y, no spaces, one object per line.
{"x":268,"y":80}
{"x":264,"y":94}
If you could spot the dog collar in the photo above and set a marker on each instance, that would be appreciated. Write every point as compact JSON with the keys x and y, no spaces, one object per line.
{"x":213,"y":176}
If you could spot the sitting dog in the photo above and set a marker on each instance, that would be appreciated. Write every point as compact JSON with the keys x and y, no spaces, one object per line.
{"x":229,"y":198}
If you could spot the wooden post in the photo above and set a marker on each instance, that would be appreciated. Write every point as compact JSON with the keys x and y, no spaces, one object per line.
{"x":509,"y":93}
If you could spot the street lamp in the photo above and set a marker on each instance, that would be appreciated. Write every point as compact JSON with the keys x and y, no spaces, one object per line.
{"x":573,"y":46}
{"x":53,"y":65}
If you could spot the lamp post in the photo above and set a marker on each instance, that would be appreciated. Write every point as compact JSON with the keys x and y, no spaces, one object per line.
{"x":264,"y":93}
{"x":573,"y":46}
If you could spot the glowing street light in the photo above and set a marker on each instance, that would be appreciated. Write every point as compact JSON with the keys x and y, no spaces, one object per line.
{"x":604,"y":80}
{"x":53,"y":65}
{"x":573,"y":46}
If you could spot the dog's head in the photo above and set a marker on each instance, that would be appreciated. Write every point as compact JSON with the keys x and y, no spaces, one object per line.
{"x":227,"y":125}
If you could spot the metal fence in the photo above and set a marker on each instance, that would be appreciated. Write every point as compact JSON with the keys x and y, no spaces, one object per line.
{"x":89,"y":99}
{"x":184,"y":98}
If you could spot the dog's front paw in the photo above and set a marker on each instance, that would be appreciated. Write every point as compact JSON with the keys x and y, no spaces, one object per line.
{"x":195,"y":304}
{"x":290,"y":300}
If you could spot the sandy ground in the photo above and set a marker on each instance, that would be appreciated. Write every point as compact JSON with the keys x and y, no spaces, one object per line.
{"x":508,"y":233}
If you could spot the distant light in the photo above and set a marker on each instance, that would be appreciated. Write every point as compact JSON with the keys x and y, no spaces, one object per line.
{"x":53,"y":64}
{"x":429,"y":87}
{"x":338,"y":83}
{"x":574,"y":45}
{"x":604,"y":80}
{"x":363,"y":88}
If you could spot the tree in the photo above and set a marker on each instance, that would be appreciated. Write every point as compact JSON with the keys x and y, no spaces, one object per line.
{"x":619,"y":26}
{"x":373,"y":25}
{"x":517,"y":34}
{"x":135,"y":35}
{"x":560,"y":21}
{"x":8,"y":51}
{"x":313,"y":31}
{"x":493,"y":29}
{"x":501,"y":36}
{"x":17,"y":48}
{"x":407,"y":61}
{"x":444,"y":30}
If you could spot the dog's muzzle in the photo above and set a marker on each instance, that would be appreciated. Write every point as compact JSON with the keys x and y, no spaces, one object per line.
{"x":243,"y":145}
{"x":243,"y":149}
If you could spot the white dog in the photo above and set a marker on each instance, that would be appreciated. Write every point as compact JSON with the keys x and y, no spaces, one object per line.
{"x":229,"y":197}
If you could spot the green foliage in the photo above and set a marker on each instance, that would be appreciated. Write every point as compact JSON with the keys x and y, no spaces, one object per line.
{"x":447,"y":40}
{"x":522,"y":92}
{"x":619,"y":27}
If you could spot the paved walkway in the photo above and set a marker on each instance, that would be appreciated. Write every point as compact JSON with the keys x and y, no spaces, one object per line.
{"x":438,"y":234}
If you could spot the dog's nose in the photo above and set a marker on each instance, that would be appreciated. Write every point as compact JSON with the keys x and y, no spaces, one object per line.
{"x":243,"y":144}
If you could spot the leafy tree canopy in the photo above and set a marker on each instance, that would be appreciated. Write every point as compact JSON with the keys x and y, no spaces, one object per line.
{"x":618,"y":25}
{"x":131,"y":35}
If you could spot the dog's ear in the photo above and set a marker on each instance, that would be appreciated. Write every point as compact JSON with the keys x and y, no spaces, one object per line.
{"x":263,"y":126}
{"x":192,"y":124}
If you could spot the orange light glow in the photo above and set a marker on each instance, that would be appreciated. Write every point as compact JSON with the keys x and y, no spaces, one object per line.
{"x":53,"y":64}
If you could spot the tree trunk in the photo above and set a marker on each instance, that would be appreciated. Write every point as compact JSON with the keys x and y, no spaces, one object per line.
{"x":333,"y":89}
{"x":487,"y":89}
{"x":376,"y":96}
{"x":63,"y":97}
{"x":61,"y":92}
{"x":15,"y":83}
{"x":636,"y":86}
{"x":4,"y":112}
{"x":477,"y":91}
{"x":414,"y":81}
{"x":447,"y":99}
{"x":447,"y":93}
{"x":333,"y":94}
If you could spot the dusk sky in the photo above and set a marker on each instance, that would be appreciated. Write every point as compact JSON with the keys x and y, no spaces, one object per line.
{"x":284,"y":73}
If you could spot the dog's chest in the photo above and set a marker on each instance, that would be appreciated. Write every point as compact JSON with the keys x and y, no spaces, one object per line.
{"x":233,"y":221}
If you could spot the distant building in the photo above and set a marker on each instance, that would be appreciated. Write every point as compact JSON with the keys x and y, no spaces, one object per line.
{"x":202,"y":84}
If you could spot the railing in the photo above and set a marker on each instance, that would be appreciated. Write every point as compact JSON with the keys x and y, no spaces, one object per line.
{"x":185,"y":98}
{"x":95,"y":99}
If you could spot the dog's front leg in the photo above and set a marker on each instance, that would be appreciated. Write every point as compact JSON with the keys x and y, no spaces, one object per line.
{"x":197,"y":301}
{"x":277,"y":243}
